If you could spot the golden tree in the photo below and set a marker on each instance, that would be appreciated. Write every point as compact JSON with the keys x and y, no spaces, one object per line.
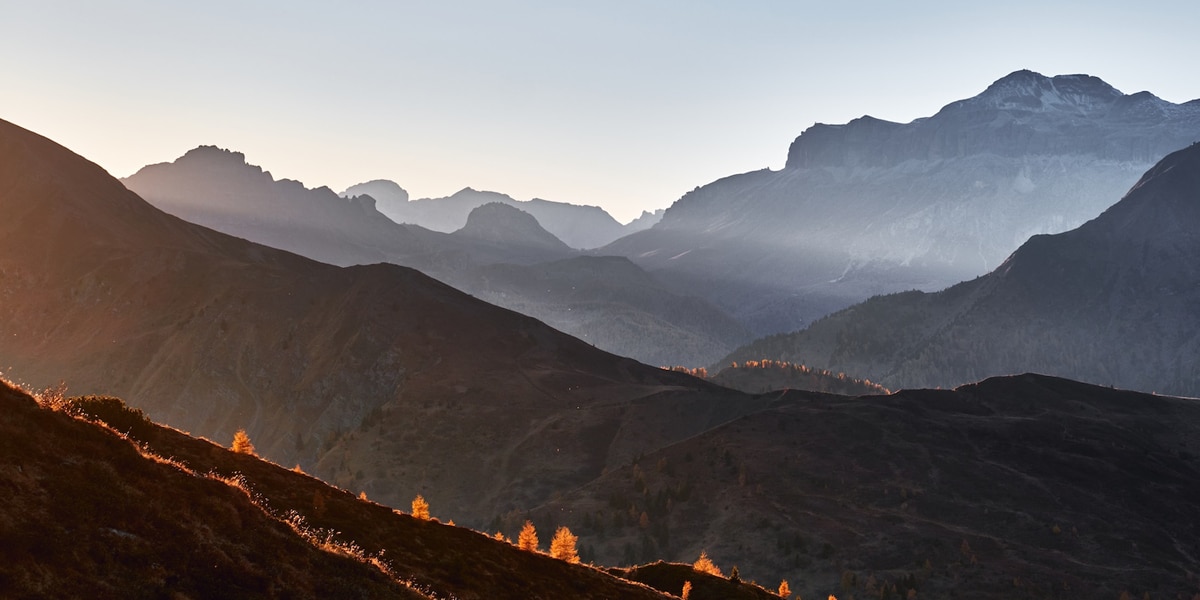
{"x":785,"y":591}
{"x":562,"y":546}
{"x":420,"y":508}
{"x":528,"y":539}
{"x":704,"y":564}
{"x":687,"y":590}
{"x":241,"y":443}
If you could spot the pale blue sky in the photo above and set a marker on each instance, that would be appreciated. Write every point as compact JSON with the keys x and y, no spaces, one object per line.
{"x":622,"y":104}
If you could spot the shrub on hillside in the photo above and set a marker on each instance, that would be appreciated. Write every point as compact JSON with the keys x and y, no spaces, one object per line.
{"x":113,"y":412}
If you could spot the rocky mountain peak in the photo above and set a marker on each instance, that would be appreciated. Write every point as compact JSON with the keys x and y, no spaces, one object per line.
{"x":502,"y":223}
{"x":213,"y":154}
{"x":382,"y":190}
{"x":390,"y":198}
{"x":1027,"y":90}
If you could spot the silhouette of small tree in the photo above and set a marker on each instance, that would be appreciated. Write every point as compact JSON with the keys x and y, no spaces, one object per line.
{"x":528,"y":539}
{"x":241,"y":443}
{"x":562,"y":546}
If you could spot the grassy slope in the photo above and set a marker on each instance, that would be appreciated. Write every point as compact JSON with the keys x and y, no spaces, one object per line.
{"x":91,"y":512}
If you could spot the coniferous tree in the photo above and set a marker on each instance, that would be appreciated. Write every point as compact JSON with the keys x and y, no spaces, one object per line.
{"x":528,"y":539}
{"x":704,"y":564}
{"x":241,"y":443}
{"x":420,"y":508}
{"x":562,"y":546}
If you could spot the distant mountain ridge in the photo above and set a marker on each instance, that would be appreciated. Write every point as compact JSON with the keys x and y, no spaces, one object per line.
{"x":217,"y":188}
{"x":1013,"y":118}
{"x":580,"y":227}
{"x":1112,"y":302}
{"x":872,"y":207}
{"x":508,"y":226}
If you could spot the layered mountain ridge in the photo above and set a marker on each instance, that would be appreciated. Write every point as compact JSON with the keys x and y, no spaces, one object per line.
{"x":497,"y":255}
{"x":382,"y":380}
{"x":872,"y":207}
{"x":1112,"y":302}
{"x":579,"y":226}
{"x":1013,"y":118}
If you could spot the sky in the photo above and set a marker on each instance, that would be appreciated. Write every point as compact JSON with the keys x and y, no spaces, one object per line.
{"x":625,"y":105}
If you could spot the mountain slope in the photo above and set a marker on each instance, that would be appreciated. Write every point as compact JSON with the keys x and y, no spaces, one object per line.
{"x":88,"y":514}
{"x":1113,"y":302}
{"x":872,"y":207}
{"x":1026,"y":486}
{"x":212,"y":333}
{"x":93,"y":513}
{"x":612,"y":303}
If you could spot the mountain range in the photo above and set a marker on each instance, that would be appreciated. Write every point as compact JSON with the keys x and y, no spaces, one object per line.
{"x":381,"y":380}
{"x":861,"y":209}
{"x":1115,"y":301}
{"x":499,"y":253}
{"x":581,"y":227}
{"x":872,"y":207}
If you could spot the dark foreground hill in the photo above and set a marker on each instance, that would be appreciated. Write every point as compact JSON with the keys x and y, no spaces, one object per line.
{"x":87,"y":514}
{"x":91,"y":512}
{"x":1115,"y":302}
{"x":1015,"y":487}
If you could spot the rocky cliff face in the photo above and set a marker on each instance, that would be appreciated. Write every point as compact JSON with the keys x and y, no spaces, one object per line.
{"x":873,"y":207}
{"x":1023,"y":114}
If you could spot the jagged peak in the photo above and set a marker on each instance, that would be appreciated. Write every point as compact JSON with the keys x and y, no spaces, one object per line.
{"x":210,"y":153}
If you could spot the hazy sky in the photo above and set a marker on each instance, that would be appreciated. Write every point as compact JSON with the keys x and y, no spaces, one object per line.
{"x":622,"y":104}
